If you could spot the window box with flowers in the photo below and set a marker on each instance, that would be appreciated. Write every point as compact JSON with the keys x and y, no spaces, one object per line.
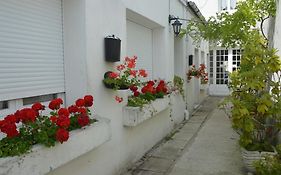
{"x":142,"y":105}
{"x":199,"y":74}
{"x":125,"y":75}
{"x":29,"y":134}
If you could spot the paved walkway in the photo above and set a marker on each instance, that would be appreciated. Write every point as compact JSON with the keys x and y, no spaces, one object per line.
{"x":204,"y":145}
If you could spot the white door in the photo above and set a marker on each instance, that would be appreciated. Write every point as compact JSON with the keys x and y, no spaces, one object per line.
{"x":222,"y":63}
{"x":139,"y":43}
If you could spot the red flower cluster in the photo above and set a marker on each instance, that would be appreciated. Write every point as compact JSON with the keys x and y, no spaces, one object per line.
{"x":118,"y":99}
{"x":60,"y":117}
{"x":8,"y":125}
{"x":55,"y":104}
{"x":198,"y":73}
{"x":151,"y":87}
{"x":126,"y":74}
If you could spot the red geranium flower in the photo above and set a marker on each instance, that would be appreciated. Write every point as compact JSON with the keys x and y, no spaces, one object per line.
{"x":82,"y":110}
{"x":53,"y":119}
{"x":55,"y":104}
{"x":9,"y":128}
{"x":27,"y":115}
{"x":120,"y":67}
{"x":63,"y":112}
{"x":136,"y":93}
{"x":133,"y":73}
{"x":62,"y":135}
{"x":38,"y":106}
{"x":11,"y":118}
{"x":142,"y":73}
{"x":133,"y":88}
{"x":113,"y":75}
{"x":118,"y":99}
{"x":83,"y":120}
{"x":63,"y":121}
{"x":88,"y":100}
{"x":72,"y":109}
{"x":80,"y":102}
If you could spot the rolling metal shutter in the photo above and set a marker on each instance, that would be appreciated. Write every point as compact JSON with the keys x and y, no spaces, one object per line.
{"x":31,"y":48}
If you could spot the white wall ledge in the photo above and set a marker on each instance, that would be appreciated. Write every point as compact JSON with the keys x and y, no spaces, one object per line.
{"x":133,"y":116}
{"x":42,"y":160}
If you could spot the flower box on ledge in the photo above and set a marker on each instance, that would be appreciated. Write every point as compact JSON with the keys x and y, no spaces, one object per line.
{"x":133,"y":116}
{"x":42,"y":160}
{"x":203,"y":86}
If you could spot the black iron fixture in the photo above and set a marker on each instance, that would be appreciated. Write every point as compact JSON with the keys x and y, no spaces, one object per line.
{"x":112,"y":48}
{"x":177,"y":24}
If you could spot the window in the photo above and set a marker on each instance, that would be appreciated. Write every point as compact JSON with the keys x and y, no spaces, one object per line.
{"x":227,"y":4}
{"x":4,"y":105}
{"x":211,"y":67}
{"x":236,"y":59}
{"x":221,"y":65}
{"x":42,"y":98}
{"x":222,"y":5}
{"x":232,"y":4}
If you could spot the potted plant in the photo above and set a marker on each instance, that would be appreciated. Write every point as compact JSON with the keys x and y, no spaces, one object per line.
{"x":124,"y":76}
{"x":270,"y":164}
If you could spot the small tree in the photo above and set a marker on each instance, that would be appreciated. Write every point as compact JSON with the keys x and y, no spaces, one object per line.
{"x":256,"y":85}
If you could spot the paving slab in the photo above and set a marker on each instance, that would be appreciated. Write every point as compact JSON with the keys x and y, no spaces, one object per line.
{"x":157,"y":165}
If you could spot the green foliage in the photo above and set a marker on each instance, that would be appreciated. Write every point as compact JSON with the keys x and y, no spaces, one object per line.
{"x":143,"y":99}
{"x":137,"y":101}
{"x":256,"y":86}
{"x":231,"y":30}
{"x":271,"y":165}
{"x":178,"y":84}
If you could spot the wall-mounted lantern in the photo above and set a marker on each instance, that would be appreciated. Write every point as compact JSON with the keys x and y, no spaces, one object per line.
{"x":177,"y":24}
{"x":112,"y":48}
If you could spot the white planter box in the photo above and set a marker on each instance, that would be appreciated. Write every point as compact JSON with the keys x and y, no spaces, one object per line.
{"x":133,"y":116}
{"x":204,"y":86}
{"x":249,"y":157}
{"x":42,"y":160}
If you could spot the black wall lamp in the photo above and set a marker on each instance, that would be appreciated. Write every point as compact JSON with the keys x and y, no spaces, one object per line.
{"x":177,"y":24}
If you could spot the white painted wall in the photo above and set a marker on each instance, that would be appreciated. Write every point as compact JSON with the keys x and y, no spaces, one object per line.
{"x":85,"y":52}
{"x":277,"y":31}
{"x":86,"y":23}
{"x":208,"y":8}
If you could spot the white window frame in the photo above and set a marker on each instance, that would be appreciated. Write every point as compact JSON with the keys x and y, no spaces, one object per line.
{"x":14,"y":105}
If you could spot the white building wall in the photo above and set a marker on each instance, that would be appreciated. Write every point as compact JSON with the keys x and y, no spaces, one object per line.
{"x":87,"y":22}
{"x":277,"y":31}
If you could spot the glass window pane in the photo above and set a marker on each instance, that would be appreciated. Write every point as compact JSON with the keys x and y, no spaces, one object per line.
{"x":4,"y":105}
{"x":42,"y":98}
{"x":232,"y":4}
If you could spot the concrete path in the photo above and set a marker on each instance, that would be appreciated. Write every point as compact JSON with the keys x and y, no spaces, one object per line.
{"x":203,"y":145}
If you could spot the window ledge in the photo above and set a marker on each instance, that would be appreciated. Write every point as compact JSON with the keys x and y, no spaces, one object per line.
{"x":42,"y":160}
{"x":133,"y":116}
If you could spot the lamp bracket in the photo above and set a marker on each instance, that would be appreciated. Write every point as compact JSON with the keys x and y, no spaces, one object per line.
{"x":172,"y":17}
